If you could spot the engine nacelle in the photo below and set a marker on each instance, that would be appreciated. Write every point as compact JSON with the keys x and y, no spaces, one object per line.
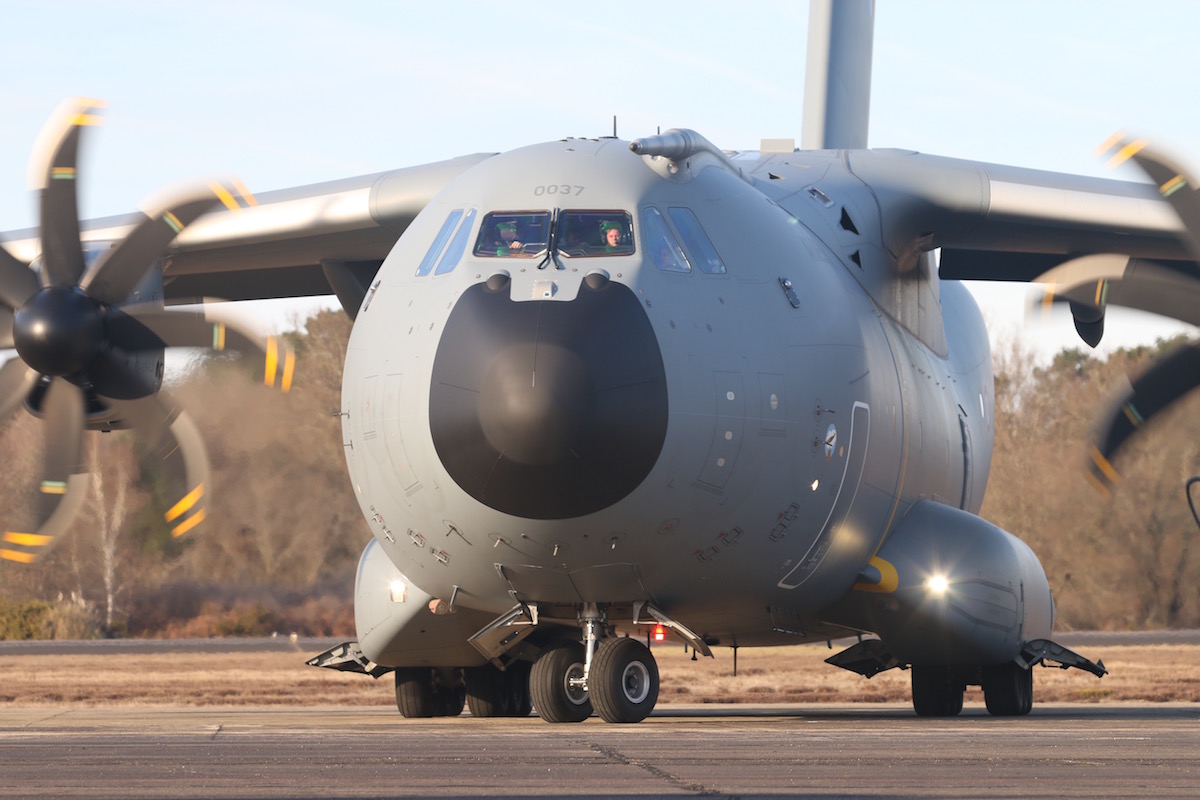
{"x":952,"y":589}
{"x":396,"y":622}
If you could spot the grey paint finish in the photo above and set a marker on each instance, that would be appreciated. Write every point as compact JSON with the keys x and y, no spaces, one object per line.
{"x":702,"y":532}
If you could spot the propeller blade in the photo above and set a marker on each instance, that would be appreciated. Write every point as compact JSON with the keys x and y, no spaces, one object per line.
{"x":25,"y":548}
{"x":1175,"y":183}
{"x":163,"y":220}
{"x":17,"y":281}
{"x":117,"y":374}
{"x":55,"y":157}
{"x":6,"y":328}
{"x":150,"y":328}
{"x":1112,"y":280}
{"x":64,"y":477}
{"x":16,"y":379}
{"x":1167,"y":380}
{"x":175,"y":441}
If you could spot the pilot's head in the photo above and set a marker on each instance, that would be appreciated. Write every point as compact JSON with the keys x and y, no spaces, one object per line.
{"x":611,"y":231}
{"x":507,"y":231}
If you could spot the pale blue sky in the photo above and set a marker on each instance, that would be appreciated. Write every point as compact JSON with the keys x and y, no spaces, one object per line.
{"x":288,"y":93}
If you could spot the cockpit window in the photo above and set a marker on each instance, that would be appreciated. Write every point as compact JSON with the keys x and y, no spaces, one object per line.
{"x":439,"y":243}
{"x":458,"y":246}
{"x":595,"y":233}
{"x":513,"y":233}
{"x":698,"y":245}
{"x":661,"y":243}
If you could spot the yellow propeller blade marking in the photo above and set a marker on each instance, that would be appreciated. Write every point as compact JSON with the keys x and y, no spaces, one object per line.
{"x":189,"y":500}
{"x":13,"y":555}
{"x":27,"y":539}
{"x":289,"y":366}
{"x":224,"y":196}
{"x":188,"y":524}
{"x":272,"y":361}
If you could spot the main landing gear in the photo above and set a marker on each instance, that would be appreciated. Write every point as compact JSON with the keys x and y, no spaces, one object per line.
{"x":492,"y":693}
{"x":423,"y":692}
{"x":429,"y":692}
{"x":938,"y":691}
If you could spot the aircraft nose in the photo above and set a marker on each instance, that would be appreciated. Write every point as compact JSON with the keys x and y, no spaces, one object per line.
{"x":547,"y":409}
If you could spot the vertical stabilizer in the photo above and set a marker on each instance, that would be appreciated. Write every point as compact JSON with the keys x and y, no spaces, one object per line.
{"x":837,"y":81}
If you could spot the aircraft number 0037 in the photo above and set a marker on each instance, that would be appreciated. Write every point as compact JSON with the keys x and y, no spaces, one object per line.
{"x":557,"y":188}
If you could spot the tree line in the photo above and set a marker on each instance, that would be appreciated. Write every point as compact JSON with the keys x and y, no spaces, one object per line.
{"x":283,"y":535}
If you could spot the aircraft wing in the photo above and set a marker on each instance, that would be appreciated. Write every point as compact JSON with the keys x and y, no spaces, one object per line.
{"x":289,"y":243}
{"x":994,"y":222}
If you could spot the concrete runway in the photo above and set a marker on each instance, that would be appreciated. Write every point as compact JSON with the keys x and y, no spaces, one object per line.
{"x":1130,"y":750}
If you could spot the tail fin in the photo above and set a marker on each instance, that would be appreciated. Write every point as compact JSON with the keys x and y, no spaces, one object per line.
{"x":837,"y":81}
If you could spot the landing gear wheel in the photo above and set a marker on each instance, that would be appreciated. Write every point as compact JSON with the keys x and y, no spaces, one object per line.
{"x":936,"y":692}
{"x":624,"y":680}
{"x":516,"y":685}
{"x":1008,"y":690}
{"x":414,"y":692}
{"x":555,"y":698}
{"x":448,"y":701}
{"x":492,"y":693}
{"x":485,"y":691}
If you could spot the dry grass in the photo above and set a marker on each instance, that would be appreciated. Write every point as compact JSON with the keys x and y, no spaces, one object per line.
{"x":768,"y":675}
{"x":1159,"y":673}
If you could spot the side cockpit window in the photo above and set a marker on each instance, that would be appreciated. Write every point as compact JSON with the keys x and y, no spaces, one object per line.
{"x":507,"y":234}
{"x":696,"y":241}
{"x":595,"y":233}
{"x":458,"y":246}
{"x":661,"y":244}
{"x":439,"y":243}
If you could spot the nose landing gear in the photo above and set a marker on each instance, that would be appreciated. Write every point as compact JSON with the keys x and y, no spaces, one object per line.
{"x":618,"y":677}
{"x":557,"y":684}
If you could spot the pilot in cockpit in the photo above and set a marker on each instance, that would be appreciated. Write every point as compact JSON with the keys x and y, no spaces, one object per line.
{"x":507,"y":242}
{"x":611,"y":232}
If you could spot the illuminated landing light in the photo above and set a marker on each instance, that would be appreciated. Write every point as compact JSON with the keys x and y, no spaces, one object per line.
{"x":660,"y":633}
{"x":399,"y":590}
{"x":816,"y":482}
{"x":937,"y":585}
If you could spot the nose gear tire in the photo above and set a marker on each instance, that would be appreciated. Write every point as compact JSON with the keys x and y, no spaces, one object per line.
{"x":623,"y":680}
{"x":555,"y":699}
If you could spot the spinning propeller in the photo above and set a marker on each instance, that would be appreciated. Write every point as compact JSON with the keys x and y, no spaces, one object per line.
{"x":1172,"y":289}
{"x":89,"y":326}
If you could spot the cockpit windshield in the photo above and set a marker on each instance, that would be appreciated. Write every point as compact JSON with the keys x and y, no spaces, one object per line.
{"x":513,"y":233}
{"x":572,"y":234}
{"x":595,"y":233}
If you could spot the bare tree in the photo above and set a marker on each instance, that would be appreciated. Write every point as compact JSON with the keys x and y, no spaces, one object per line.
{"x":113,"y":477}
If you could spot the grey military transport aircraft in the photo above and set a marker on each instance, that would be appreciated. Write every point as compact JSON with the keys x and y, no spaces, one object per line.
{"x":602,"y":390}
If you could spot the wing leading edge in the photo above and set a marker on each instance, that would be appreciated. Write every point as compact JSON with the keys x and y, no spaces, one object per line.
{"x":294,"y":242}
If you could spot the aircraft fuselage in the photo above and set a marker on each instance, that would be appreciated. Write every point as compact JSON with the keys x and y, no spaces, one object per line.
{"x":730,"y":442}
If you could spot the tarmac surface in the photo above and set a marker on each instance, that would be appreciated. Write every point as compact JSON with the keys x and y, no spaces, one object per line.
{"x":1126,"y":750}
